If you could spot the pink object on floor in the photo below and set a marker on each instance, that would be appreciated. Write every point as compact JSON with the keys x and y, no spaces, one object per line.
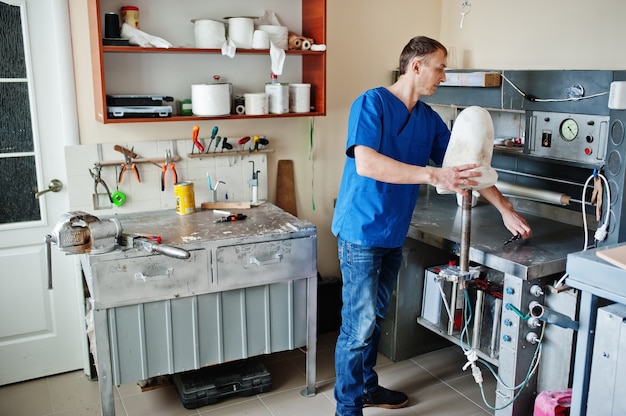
{"x":553,"y":403}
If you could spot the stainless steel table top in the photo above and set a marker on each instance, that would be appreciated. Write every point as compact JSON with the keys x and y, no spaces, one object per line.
{"x":194,"y":229}
{"x":437,"y":221}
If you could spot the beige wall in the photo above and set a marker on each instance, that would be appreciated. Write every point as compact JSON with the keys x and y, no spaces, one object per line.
{"x":364,"y":40}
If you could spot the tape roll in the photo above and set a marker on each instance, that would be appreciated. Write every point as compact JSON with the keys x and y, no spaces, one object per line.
{"x":278,"y":35}
{"x":209,"y":34}
{"x":260,"y":40}
{"x":240,"y":109}
{"x":240,"y":31}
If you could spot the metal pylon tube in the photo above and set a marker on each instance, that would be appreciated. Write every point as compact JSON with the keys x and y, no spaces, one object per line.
{"x":466,"y":227}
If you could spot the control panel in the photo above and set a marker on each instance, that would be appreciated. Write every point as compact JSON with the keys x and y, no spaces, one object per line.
{"x":570,"y":137}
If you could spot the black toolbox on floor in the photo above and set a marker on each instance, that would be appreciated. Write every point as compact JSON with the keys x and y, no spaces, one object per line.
{"x":208,"y":384}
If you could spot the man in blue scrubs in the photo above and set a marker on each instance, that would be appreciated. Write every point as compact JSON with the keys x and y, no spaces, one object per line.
{"x":392,"y":135}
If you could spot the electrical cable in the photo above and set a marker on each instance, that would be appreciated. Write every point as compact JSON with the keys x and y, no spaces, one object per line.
{"x":550,"y":100}
{"x":445,"y":300}
{"x":601,"y":232}
{"x":472,"y":358}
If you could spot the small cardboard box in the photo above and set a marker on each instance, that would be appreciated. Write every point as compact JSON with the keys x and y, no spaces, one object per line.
{"x":472,"y":79}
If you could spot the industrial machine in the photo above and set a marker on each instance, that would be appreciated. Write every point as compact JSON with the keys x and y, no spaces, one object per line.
{"x":558,"y":150}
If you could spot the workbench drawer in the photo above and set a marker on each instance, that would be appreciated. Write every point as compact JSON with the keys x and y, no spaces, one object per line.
{"x":148,"y":278}
{"x":265,"y":262}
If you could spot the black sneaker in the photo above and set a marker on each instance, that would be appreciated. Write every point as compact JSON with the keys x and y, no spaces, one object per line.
{"x":388,"y":399}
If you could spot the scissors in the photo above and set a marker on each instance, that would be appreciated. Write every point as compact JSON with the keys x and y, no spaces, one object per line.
{"x":513,"y":238}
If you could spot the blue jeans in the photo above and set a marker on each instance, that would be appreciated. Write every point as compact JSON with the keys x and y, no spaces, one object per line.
{"x":369,"y":278}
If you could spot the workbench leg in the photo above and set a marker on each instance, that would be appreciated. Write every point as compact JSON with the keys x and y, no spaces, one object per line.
{"x":103,"y":351}
{"x":311,"y":344}
{"x":584,"y":351}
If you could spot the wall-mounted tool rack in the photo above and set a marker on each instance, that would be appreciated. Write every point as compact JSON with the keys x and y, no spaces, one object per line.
{"x":227,"y":153}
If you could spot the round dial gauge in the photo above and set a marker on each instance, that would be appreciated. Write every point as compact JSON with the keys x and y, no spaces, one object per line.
{"x":568,"y":129}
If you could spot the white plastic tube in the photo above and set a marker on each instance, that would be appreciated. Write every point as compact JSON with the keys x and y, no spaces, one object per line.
{"x":532,"y":193}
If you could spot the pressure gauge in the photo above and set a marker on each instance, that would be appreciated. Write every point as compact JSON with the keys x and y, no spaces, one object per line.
{"x":568,"y":129}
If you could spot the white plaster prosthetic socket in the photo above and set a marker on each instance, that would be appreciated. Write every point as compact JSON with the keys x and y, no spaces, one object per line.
{"x":471,"y":141}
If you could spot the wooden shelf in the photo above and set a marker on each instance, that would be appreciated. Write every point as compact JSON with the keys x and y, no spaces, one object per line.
{"x":313,"y":63}
{"x":199,"y":118}
{"x":138,"y":49}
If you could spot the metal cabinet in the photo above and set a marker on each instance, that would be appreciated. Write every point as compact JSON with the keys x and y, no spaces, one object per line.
{"x":245,"y":291}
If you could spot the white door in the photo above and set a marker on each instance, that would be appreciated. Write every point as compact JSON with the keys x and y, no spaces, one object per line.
{"x":41,"y":330}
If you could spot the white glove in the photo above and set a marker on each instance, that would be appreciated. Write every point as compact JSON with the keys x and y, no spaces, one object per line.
{"x":140,"y":38}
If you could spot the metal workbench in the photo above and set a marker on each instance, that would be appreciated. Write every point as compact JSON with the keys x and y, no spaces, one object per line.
{"x":436,"y":225}
{"x":249,"y":288}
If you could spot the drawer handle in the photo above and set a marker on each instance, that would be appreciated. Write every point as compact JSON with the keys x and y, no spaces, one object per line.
{"x":168,"y":274}
{"x":277,"y":258}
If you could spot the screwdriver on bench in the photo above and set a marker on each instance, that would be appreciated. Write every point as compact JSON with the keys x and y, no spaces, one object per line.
{"x":233,"y":217}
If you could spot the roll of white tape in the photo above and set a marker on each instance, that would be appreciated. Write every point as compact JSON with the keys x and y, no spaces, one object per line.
{"x":260,"y":40}
{"x":278,"y":35}
{"x":300,"y":98}
{"x":256,"y":103}
{"x":209,"y":33}
{"x":240,"y":109}
{"x":240,"y":31}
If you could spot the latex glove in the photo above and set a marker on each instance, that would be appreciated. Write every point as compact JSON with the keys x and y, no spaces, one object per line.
{"x":229,"y":48}
{"x":140,"y":38}
{"x":277,"y":58}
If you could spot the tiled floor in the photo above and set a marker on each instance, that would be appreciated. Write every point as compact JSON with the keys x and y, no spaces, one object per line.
{"x":434,"y":382}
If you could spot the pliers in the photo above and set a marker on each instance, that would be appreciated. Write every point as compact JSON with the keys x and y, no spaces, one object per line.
{"x":98,"y":180}
{"x":128,"y":164}
{"x":168,"y":162}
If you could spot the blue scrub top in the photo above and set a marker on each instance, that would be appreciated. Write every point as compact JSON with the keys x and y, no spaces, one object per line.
{"x":378,"y":214}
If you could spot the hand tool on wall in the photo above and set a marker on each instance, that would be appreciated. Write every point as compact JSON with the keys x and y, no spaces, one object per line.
{"x":129,"y":165}
{"x":242,"y":143}
{"x":170,"y":164}
{"x":125,"y":151}
{"x":226,"y":145}
{"x":213,"y":135}
{"x":218,"y":139}
{"x":232,"y":217}
{"x":98,"y":181}
{"x":196,"y":142}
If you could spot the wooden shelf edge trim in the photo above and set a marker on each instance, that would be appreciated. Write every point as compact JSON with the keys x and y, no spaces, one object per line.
{"x":136,"y":49}
{"x":200,"y":118}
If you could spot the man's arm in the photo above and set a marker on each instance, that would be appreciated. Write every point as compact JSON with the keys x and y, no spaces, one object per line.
{"x":513,"y":221}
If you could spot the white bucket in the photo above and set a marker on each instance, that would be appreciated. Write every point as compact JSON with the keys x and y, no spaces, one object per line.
{"x":211,"y":99}
{"x":300,"y":98}
{"x":255,"y":103}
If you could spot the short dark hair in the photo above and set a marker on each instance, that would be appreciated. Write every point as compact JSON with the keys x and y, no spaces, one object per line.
{"x":419,"y":46}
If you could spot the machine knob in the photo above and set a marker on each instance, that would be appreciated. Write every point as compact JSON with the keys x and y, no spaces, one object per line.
{"x":506,"y":338}
{"x":507,"y":322}
{"x":588,"y":151}
{"x":589,"y":138}
{"x":509,"y":290}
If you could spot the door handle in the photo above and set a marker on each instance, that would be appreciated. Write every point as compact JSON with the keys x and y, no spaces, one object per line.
{"x":55,"y":185}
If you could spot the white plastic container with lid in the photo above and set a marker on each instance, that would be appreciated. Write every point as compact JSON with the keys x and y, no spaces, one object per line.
{"x":210,"y":100}
{"x":255,"y":103}
{"x":300,"y":98}
{"x":277,"y":95}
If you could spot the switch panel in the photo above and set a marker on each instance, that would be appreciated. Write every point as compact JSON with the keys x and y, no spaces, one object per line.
{"x":569,"y":137}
